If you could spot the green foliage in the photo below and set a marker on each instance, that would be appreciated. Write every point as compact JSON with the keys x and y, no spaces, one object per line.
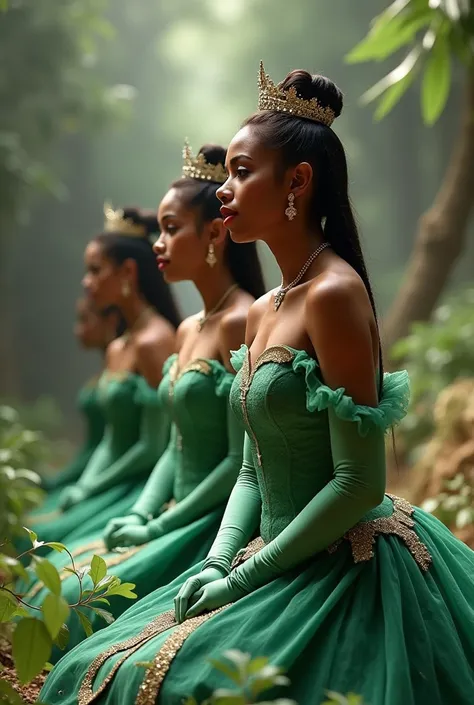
{"x":455,"y":505}
{"x":435,"y":354}
{"x":434,"y":32}
{"x":33,"y":637}
{"x":53,"y":90}
{"x":253,"y":677}
{"x":21,"y":452}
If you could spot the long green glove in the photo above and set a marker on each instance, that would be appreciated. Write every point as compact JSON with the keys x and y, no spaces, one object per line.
{"x":213,"y":491}
{"x":241,"y":517}
{"x":159,"y":487}
{"x":358,"y":485}
{"x":154,"y":433}
{"x":72,"y":471}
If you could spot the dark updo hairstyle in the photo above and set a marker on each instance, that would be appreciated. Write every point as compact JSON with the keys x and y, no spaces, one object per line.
{"x":302,"y":140}
{"x":242,"y":260}
{"x":119,"y":247}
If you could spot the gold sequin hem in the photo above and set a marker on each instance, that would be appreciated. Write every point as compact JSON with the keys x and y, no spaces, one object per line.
{"x":400,"y":523}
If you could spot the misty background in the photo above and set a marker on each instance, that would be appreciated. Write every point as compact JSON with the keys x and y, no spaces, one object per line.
{"x":154,"y":72}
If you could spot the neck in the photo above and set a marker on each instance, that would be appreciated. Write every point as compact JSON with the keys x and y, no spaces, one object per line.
{"x":293,"y":249}
{"x":132,"y":308}
{"x":212,"y":284}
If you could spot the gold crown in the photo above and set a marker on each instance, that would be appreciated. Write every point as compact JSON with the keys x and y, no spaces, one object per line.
{"x":270,"y":97}
{"x":116,"y":223}
{"x":199,"y":168}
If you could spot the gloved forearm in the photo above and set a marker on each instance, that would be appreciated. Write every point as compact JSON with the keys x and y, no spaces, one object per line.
{"x":358,"y":485}
{"x":213,"y":491}
{"x":241,"y":517}
{"x":137,"y":459}
{"x":159,"y":487}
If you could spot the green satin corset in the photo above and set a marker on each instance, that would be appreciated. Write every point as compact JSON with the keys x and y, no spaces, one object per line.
{"x":283,"y":403}
{"x":89,"y":405}
{"x":120,"y":397}
{"x":196,"y":397}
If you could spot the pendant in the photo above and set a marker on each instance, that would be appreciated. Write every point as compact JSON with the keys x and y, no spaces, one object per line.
{"x":278,"y":300}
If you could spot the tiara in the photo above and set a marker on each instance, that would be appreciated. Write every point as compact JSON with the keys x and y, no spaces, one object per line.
{"x":115,"y":223}
{"x":199,"y":168}
{"x":270,"y":97}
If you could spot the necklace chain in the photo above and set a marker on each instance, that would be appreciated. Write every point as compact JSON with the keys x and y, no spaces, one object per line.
{"x":203,"y":320}
{"x":283,"y":290}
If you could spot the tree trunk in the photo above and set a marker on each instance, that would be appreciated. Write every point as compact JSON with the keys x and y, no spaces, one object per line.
{"x":441,"y":234}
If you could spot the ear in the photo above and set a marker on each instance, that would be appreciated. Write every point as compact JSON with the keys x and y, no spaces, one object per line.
{"x":302,"y":179}
{"x":129,"y":270}
{"x":216,"y":232}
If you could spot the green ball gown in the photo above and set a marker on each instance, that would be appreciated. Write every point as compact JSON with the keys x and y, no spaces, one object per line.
{"x":94,"y":426}
{"x":136,"y":434}
{"x":382,"y":606}
{"x":193,"y":479}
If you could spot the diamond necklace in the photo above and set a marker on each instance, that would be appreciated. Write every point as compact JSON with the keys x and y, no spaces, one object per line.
{"x":283,"y":290}
{"x":202,"y":321}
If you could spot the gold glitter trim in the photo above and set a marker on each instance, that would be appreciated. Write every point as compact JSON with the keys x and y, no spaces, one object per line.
{"x":92,"y":546}
{"x":155,"y":675}
{"x":44,"y":518}
{"x":400,"y":523}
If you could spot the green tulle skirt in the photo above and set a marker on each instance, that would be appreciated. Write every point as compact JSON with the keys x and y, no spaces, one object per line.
{"x":149,"y":567}
{"x":383,"y":628}
{"x":84,"y":519}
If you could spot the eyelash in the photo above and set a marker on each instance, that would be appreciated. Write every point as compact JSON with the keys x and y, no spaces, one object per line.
{"x":171,"y":229}
{"x":242,"y":172}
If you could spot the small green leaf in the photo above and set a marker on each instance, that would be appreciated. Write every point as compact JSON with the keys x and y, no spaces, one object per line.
{"x":257,"y":664}
{"x":55,"y":612}
{"x":408,"y":65}
{"x":31,"y":648}
{"x":436,"y":81}
{"x":85,"y":621}
{"x":48,"y":667}
{"x":101,"y":599}
{"x":62,"y":637}
{"x":231,"y":673}
{"x":32,"y":535}
{"x":106,"y":616}
{"x":228,"y":697}
{"x":98,"y":569}
{"x":392,"y":96}
{"x":60,"y":547}
{"x":124,"y":590}
{"x":8,"y":694}
{"x":21,"y":612}
{"x":8,"y":606}
{"x":48,"y":575}
{"x":108,"y":582}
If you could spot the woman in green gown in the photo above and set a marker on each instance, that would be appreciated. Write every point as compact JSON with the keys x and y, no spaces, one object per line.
{"x":94,"y":330}
{"x":174,"y":521}
{"x":347,"y":588}
{"x":121,"y":272}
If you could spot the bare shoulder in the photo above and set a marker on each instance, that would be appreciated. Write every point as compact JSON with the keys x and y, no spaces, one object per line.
{"x":233,"y":325}
{"x":153,"y":346}
{"x":184,"y":328}
{"x":114,"y":351}
{"x":341,"y":326}
{"x":255,"y":315}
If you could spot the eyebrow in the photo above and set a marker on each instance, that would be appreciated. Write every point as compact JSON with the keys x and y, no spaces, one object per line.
{"x":239,"y":156}
{"x":169,"y":215}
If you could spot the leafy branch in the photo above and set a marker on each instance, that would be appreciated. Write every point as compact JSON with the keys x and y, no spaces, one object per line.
{"x":33,"y":637}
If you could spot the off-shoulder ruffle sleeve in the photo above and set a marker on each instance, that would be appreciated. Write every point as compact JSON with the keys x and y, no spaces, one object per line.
{"x":223,"y":378}
{"x":167,"y":364}
{"x":391,"y":409}
{"x":237,"y":357}
{"x":144,"y":394}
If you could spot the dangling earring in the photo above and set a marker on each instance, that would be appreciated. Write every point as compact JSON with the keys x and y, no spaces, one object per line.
{"x":291,"y":210}
{"x":211,"y":258}
{"x":125,"y":289}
